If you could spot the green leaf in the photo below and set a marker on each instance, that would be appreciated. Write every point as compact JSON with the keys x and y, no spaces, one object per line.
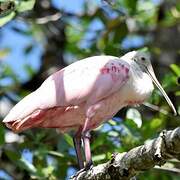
{"x":113,"y":133}
{"x":24,"y":164}
{"x":135,"y":116}
{"x":57,"y":154}
{"x":6,"y":18}
{"x":131,"y":6}
{"x":13,"y":156}
{"x":99,"y":141}
{"x":4,"y":52}
{"x":144,"y":49}
{"x":47,"y":171}
{"x":156,"y":123}
{"x":177,"y":93}
{"x":120,"y":31}
{"x":112,"y":122}
{"x":2,"y":140}
{"x":176,"y":69}
{"x":99,"y":157}
{"x":26,"y":5}
{"x":68,"y":139}
{"x":101,"y":44}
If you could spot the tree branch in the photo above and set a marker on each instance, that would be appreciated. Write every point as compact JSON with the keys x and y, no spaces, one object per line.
{"x":128,"y":164}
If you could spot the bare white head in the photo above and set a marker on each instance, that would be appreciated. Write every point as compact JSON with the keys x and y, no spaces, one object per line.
{"x":142,"y":59}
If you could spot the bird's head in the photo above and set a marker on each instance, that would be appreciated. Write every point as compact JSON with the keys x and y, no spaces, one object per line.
{"x":142,"y":59}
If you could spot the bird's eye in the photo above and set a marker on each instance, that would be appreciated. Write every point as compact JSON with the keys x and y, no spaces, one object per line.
{"x":143,"y":58}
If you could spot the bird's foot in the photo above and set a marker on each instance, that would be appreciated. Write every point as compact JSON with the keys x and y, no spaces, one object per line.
{"x":88,"y":166}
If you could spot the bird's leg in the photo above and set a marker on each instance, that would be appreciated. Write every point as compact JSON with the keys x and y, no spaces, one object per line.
{"x":77,"y":145}
{"x":87,"y":149}
{"x":86,"y":139}
{"x":85,"y":135}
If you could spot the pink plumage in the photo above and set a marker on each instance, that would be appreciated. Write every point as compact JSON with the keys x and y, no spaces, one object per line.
{"x":85,"y":94}
{"x":85,"y":88}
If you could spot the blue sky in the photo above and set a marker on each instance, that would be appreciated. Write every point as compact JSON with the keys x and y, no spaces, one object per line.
{"x":16,"y":42}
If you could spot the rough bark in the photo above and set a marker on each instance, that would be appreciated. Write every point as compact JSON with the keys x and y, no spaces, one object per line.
{"x":128,"y":164}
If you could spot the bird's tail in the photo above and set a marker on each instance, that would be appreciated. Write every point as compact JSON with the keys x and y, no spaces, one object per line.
{"x":30,"y":121}
{"x":23,"y":115}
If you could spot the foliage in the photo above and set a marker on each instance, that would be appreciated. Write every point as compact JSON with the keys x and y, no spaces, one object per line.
{"x":64,"y":35}
{"x":10,"y":8}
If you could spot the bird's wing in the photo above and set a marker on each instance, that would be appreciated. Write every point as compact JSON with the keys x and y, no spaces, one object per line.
{"x":88,"y":80}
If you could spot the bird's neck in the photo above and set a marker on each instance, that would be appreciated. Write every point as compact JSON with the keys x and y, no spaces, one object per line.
{"x":140,"y":85}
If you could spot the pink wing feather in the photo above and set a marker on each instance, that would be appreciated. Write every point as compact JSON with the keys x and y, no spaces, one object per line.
{"x":88,"y":80}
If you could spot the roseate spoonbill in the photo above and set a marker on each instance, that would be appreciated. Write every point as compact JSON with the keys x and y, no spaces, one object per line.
{"x":85,"y":94}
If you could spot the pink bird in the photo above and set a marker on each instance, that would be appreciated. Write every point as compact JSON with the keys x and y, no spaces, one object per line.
{"x":85,"y":94}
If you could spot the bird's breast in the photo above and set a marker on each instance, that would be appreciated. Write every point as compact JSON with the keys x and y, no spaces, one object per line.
{"x":137,"y":89}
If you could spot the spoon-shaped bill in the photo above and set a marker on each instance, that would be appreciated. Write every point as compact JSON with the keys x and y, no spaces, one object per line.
{"x":151,"y":73}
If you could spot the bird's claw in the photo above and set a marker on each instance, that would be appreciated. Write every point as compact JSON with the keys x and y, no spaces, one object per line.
{"x":88,"y":166}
